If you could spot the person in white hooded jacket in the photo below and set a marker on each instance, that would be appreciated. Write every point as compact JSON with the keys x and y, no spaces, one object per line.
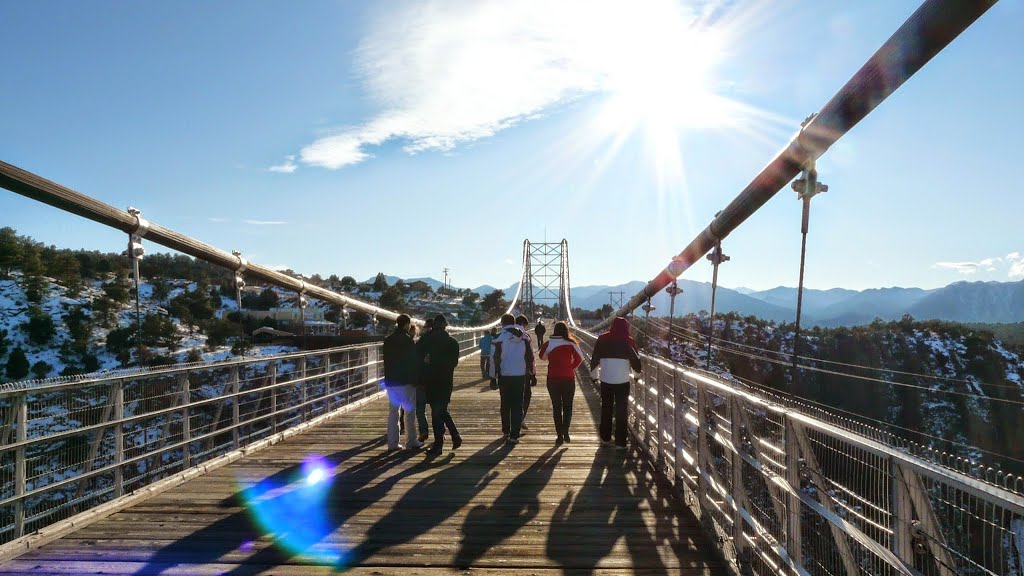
{"x":513,"y":365}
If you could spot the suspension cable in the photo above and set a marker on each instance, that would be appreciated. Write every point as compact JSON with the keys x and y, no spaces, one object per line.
{"x":858,"y":366}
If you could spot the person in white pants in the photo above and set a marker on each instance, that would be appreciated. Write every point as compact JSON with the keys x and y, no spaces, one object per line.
{"x":401,"y":374}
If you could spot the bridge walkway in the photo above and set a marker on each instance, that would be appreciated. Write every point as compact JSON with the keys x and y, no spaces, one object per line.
{"x":529,"y":509}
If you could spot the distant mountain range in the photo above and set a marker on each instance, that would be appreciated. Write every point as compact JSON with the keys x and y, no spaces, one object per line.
{"x":988,"y":302}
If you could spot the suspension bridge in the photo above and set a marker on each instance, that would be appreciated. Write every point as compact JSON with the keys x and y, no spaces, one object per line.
{"x":277,"y":464}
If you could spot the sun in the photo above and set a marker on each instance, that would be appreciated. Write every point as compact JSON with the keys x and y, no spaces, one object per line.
{"x":663,"y":77}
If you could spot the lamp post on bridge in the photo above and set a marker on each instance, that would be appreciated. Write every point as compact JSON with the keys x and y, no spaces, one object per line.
{"x":806,"y":186}
{"x":673,"y":290}
{"x":716,"y":257}
{"x":135,"y":252}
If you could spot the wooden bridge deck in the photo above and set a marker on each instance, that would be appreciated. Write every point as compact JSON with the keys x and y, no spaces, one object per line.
{"x":529,"y":509}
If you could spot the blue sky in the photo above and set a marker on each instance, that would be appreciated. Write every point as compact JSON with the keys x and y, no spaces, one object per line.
{"x":405,"y":137}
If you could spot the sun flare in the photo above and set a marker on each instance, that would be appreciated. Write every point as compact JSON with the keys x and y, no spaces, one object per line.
{"x":663,"y":76}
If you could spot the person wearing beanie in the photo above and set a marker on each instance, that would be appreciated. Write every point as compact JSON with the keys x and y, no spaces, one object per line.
{"x":401,"y":374}
{"x":439,"y":355}
{"x":614,"y":355}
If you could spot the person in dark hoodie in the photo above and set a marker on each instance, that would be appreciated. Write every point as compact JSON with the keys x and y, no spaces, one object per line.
{"x":401,"y":374}
{"x":513,"y":363}
{"x":421,"y":391}
{"x":614,"y":355}
{"x":539,"y":330}
{"x":439,"y":355}
{"x":564,"y":356}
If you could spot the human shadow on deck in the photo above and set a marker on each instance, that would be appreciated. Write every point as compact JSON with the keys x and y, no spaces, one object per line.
{"x":430,"y":502}
{"x":518,"y":503}
{"x":306,"y":520}
{"x":620,"y":486}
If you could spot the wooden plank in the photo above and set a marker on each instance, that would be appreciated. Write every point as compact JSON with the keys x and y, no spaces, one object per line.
{"x":534,"y":507}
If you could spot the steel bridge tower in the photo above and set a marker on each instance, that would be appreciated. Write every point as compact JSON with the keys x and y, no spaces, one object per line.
{"x":546,"y":278}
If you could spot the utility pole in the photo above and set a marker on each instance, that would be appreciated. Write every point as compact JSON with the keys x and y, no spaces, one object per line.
{"x":615,"y":299}
{"x":447,"y":285}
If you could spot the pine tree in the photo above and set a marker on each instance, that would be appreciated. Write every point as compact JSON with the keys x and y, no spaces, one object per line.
{"x":41,"y":369}
{"x":10,"y":251}
{"x":40,"y":328}
{"x":17,"y":364}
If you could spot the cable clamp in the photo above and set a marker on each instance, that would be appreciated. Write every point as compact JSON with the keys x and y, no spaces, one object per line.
{"x":141,"y":224}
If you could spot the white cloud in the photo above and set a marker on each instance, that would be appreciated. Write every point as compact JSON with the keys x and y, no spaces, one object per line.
{"x":961,"y":267}
{"x":1016,"y":264}
{"x":447,"y":72}
{"x":265,"y":222}
{"x":1014,"y":260}
{"x":216,"y":220}
{"x":286,"y":167}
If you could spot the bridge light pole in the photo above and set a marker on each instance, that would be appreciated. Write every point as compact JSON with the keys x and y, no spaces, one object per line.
{"x":302,"y":302}
{"x":243,"y":265}
{"x":135,"y":252}
{"x":673,"y":290}
{"x":806,"y":187}
{"x":716,"y":257}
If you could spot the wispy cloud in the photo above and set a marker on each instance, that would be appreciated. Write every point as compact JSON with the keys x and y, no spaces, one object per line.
{"x":1013,"y":263}
{"x":286,"y":167}
{"x":265,"y":222}
{"x":218,"y":220}
{"x":969,"y":267}
{"x":444,"y":73}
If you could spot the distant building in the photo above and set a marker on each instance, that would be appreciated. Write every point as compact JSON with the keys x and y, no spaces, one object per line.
{"x":288,"y":318}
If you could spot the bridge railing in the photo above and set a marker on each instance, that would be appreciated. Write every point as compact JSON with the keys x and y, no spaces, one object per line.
{"x":69,"y":446}
{"x":788,"y":492}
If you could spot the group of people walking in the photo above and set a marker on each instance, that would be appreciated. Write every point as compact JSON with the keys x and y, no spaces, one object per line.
{"x":418,"y":373}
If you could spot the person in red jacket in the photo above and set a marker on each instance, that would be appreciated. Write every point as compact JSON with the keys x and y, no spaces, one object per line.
{"x":615,"y":354}
{"x":564,"y":356}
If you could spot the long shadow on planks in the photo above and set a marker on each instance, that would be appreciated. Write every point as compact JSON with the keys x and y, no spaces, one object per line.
{"x":297,"y":513}
{"x":408,"y":518}
{"x":487,"y":526}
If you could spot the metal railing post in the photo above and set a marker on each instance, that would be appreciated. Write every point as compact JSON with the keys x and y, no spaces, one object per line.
{"x":186,"y":421}
{"x":703,"y":449}
{"x":660,"y":399}
{"x":118,"y":438}
{"x":371,"y":369}
{"x":325,"y":369}
{"x":739,"y":494}
{"x":793,"y":533}
{"x":300,"y":369}
{"x":20,"y":473}
{"x":678,"y":405}
{"x":902,"y":514}
{"x":272,"y":383}
{"x":235,"y":417}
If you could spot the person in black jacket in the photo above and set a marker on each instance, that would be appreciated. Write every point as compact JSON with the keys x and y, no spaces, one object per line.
{"x":615,"y":354}
{"x":540,"y":330}
{"x":439,"y":355}
{"x":401,"y":374}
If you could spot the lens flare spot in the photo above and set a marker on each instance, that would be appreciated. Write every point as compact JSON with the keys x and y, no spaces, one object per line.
{"x":291,"y":508}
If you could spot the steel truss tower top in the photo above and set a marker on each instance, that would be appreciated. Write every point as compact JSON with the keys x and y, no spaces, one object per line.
{"x":546,"y":279}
